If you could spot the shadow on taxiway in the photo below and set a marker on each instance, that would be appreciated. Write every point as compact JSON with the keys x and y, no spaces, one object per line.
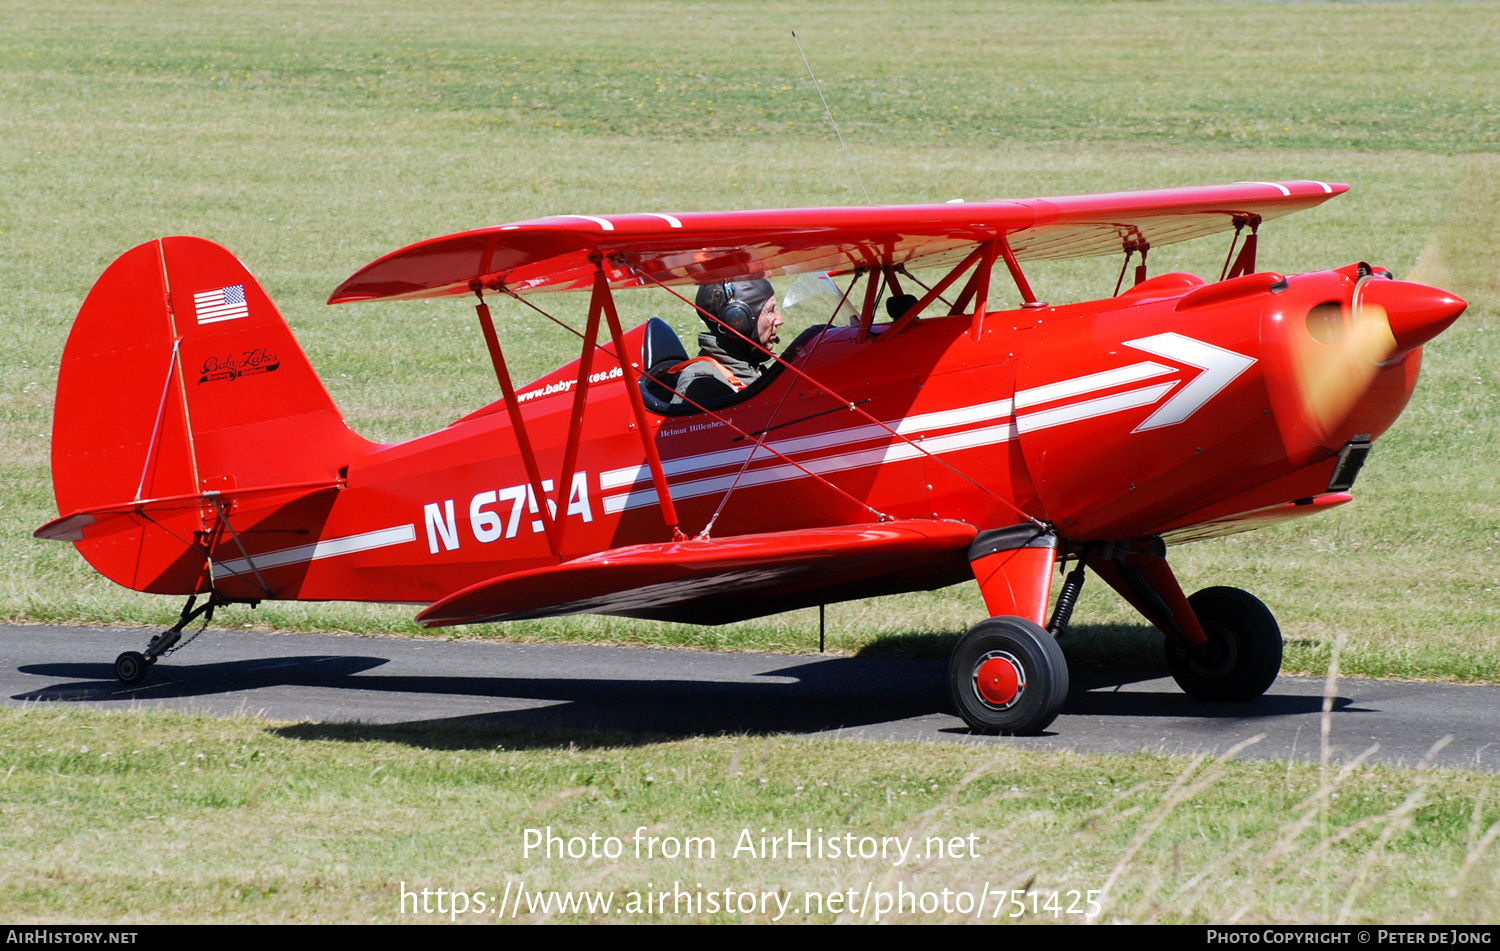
{"x":168,"y":680}
{"x":822,"y":695}
{"x":1128,"y":646}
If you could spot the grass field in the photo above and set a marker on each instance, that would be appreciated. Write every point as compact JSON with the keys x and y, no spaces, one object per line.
{"x":327,"y":823}
{"x":310,"y":140}
{"x":311,"y":143}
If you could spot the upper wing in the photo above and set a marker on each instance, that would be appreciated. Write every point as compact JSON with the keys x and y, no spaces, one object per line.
{"x":556,"y":253}
{"x":721,"y":580}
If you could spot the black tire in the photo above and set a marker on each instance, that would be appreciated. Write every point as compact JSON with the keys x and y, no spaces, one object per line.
{"x":1248,"y":641}
{"x":131,"y":667}
{"x":1034,"y":663}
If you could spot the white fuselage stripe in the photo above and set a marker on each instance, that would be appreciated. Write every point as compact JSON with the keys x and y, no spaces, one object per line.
{"x":882,"y":455}
{"x":1219,"y":366}
{"x":1088,"y":384}
{"x":327,"y":548}
{"x":619,"y":478}
{"x":1088,"y":409}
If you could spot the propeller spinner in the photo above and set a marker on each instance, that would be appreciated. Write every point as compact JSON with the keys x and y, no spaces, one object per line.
{"x":1346,"y":345}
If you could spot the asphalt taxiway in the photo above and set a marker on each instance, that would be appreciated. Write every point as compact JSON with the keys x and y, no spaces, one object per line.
{"x":561,"y":689}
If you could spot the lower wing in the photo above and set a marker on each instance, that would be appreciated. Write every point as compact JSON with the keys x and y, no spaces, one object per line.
{"x":720,"y":580}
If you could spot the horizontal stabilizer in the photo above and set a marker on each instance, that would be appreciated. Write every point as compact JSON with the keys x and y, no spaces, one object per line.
{"x":721,"y":580}
{"x":102,"y":520}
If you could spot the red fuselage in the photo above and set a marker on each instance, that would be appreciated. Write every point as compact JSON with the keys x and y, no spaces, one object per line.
{"x":1162,"y":409}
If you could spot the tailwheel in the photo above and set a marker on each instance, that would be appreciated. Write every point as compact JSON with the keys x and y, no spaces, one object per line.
{"x":131,"y":666}
{"x":1008,"y":675}
{"x":1243,"y":653}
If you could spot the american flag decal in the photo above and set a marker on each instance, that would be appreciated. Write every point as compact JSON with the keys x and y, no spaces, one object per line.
{"x":221,"y":303}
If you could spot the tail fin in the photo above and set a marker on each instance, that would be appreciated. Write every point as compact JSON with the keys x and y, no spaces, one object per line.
{"x":181,"y":379}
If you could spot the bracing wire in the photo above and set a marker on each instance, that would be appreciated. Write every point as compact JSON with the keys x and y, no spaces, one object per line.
{"x":819,"y":88}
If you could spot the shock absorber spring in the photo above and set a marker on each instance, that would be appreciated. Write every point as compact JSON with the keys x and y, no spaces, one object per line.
{"x":1066,"y":600}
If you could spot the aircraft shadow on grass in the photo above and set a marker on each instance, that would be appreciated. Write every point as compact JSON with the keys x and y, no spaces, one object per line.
{"x":823,"y":695}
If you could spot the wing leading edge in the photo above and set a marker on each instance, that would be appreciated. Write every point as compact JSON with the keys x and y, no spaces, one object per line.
{"x":557,"y":253}
{"x":722,"y":580}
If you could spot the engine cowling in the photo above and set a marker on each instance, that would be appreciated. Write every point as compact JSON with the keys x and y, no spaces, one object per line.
{"x":1134,"y":415}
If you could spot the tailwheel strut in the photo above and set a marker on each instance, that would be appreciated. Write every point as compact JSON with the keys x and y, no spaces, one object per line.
{"x":131,"y":666}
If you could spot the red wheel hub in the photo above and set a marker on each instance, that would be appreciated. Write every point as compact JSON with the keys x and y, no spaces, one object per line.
{"x":999,"y":679}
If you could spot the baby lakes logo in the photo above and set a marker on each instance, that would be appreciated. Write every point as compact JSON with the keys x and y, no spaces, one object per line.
{"x":249,"y":363}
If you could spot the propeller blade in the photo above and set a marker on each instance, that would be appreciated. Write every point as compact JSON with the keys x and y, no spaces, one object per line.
{"x":1338,"y":357}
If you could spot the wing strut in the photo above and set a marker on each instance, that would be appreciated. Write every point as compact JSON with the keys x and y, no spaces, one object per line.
{"x":982,"y":259}
{"x":1245,"y":263}
{"x":1140,"y":269}
{"x":872,"y":296}
{"x":916,"y":310}
{"x":982,"y":287}
{"x":580,"y":404}
{"x":1027,"y":297}
{"x":517,"y":424}
{"x":637,"y":406}
{"x":601,"y":304}
{"x":979,"y":282}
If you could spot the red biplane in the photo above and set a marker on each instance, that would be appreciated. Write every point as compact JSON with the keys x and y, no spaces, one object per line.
{"x":195,"y":452}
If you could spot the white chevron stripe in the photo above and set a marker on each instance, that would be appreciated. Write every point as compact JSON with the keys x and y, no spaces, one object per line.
{"x":1219,"y":368}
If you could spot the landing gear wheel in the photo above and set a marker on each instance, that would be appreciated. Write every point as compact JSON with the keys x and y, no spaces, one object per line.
{"x":1246,"y":642}
{"x":1008,"y":675}
{"x":131,"y":666}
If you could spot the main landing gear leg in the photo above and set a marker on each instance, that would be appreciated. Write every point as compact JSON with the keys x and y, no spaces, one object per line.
{"x":131,"y":666}
{"x":1222,"y":643}
{"x":1007,"y":674}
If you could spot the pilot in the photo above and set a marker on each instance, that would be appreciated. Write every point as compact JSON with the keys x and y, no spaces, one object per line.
{"x":727,"y":362}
